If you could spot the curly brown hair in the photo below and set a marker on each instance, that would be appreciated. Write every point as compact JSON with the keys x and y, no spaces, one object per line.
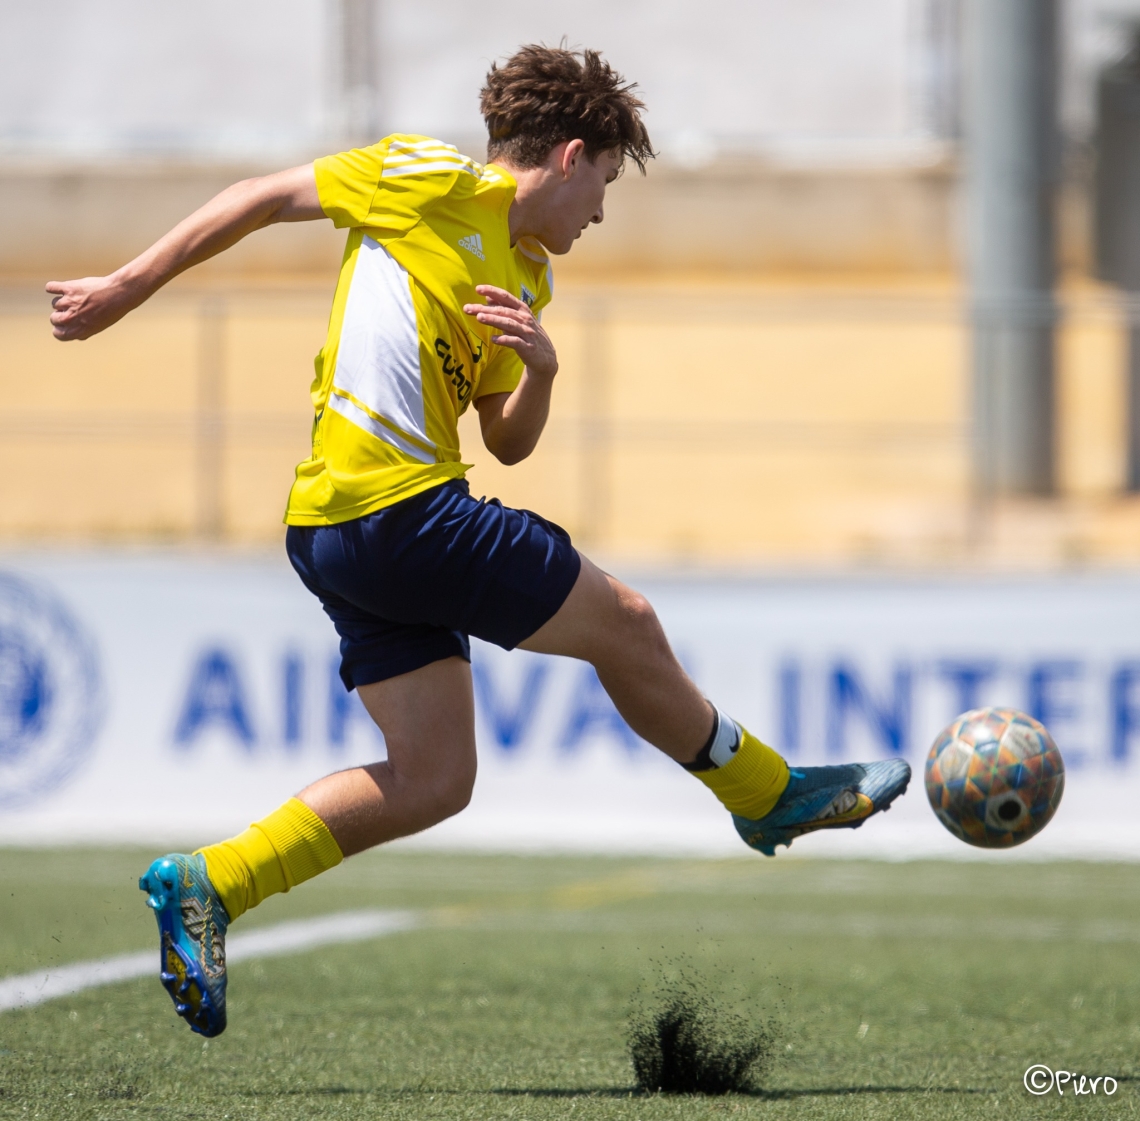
{"x":542,"y":96}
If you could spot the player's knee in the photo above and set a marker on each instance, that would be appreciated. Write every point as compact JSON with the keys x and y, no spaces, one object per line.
{"x":642,"y":621}
{"x":458,"y":796}
{"x":451,"y":792}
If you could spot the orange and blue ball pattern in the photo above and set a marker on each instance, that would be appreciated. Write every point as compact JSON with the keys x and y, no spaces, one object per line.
{"x":994,"y":777}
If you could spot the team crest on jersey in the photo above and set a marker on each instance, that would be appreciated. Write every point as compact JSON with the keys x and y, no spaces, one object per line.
{"x":473,"y":243}
{"x":527,"y":296}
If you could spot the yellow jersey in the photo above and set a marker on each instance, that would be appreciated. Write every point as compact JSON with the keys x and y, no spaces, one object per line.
{"x":402,"y":361}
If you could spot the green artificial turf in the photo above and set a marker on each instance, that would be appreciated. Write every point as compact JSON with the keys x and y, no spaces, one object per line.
{"x":907,"y":990}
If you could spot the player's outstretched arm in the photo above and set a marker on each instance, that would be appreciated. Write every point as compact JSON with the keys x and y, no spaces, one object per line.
{"x":82,"y":308}
{"x":512,"y":422}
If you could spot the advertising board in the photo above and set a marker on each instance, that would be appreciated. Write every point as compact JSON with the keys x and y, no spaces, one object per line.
{"x":172,"y":698}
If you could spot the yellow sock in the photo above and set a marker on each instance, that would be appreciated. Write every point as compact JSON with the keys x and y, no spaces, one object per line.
{"x":751,"y":782}
{"x":274,"y":854}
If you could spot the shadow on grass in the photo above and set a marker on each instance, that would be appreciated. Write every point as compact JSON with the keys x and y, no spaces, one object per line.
{"x":621,"y":1092}
{"x":762,"y":1095}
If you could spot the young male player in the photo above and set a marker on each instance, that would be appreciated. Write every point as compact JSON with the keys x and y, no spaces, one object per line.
{"x":444,"y":272}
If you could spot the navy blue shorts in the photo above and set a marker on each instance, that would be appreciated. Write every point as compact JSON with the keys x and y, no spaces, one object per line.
{"x":407,"y":585}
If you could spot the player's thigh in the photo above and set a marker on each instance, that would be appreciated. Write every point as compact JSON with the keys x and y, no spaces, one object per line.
{"x":600,"y":616}
{"x":428,"y":720}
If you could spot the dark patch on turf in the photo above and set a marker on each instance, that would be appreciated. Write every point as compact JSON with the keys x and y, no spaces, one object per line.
{"x":684,"y":1042}
{"x":119,"y":1085}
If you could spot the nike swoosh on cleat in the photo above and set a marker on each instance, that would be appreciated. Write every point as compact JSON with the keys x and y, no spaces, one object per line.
{"x":863,"y":807}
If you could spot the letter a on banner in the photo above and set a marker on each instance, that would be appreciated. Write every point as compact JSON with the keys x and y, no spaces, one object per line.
{"x":509,"y":724}
{"x":215,"y":697}
{"x":591,"y":710}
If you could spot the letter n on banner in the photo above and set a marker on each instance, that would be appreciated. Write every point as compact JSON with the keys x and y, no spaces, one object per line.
{"x":889,"y":720}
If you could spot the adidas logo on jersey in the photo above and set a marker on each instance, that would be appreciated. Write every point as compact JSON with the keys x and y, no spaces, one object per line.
{"x":473,"y":243}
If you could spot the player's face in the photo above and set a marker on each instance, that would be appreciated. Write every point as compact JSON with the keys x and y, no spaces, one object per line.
{"x":579,"y":198}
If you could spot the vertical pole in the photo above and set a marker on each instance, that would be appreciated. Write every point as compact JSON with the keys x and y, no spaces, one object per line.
{"x":1117,"y":213}
{"x":209,"y":424}
{"x":1011,"y":172}
{"x":594,"y":445}
{"x":359,"y":70}
{"x":1133,"y":305}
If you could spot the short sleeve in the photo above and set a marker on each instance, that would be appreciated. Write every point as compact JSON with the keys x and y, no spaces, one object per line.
{"x":347,"y":184}
{"x":388,"y":186}
{"x":503,"y":373}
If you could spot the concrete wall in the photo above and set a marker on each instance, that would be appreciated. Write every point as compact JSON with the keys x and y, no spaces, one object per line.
{"x":733,"y":423}
{"x":734,"y":217}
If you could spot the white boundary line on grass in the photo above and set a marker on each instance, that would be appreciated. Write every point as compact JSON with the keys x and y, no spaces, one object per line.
{"x":26,"y":989}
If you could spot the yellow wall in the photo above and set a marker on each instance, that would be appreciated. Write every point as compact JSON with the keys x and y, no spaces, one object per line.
{"x":767,"y":421}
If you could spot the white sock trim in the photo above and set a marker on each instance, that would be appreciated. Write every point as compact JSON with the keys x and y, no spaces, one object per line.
{"x":725,"y":741}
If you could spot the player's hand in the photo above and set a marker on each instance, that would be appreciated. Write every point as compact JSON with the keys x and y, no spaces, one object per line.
{"x":518,"y":327}
{"x":82,"y":308}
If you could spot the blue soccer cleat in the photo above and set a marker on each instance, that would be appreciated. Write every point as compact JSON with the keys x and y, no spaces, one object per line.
{"x":825,"y":798}
{"x":192,"y":930}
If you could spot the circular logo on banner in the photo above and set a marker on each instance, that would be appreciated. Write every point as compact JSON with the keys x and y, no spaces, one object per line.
{"x":51,"y":692}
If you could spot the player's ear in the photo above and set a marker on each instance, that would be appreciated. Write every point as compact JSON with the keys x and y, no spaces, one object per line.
{"x":572,"y":155}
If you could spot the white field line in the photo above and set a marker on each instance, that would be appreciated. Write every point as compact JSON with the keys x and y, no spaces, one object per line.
{"x":26,"y":989}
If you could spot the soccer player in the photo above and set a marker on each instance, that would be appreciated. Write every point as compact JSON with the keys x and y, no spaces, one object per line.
{"x":445,"y":270}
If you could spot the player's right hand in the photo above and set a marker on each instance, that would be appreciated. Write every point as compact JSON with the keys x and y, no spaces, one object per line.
{"x":82,"y":308}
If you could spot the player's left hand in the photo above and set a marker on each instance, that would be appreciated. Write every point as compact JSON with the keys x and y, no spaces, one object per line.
{"x":519,"y":329}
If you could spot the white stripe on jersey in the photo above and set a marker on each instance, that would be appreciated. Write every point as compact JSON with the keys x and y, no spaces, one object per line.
{"x":421,"y":168}
{"x":421,"y":157}
{"x":427,"y":156}
{"x":351,"y":411}
{"x":427,"y":142}
{"x":378,"y":359}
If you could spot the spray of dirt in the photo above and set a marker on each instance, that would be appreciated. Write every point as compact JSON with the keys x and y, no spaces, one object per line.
{"x":683,"y":1042}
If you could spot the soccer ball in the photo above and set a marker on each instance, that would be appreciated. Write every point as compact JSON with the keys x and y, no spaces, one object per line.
{"x":994,"y":777}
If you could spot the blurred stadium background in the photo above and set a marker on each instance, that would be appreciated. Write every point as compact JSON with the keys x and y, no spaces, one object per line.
{"x":766,"y":346}
{"x":850,"y":386}
{"x":853,"y":326}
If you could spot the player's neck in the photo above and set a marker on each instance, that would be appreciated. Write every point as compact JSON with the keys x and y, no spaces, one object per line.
{"x":532,"y":195}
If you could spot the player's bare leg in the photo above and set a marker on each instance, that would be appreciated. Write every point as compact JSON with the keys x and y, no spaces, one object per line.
{"x":608,"y":624}
{"x":427,"y":717}
{"x":616,"y":629}
{"x":428,"y":720}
